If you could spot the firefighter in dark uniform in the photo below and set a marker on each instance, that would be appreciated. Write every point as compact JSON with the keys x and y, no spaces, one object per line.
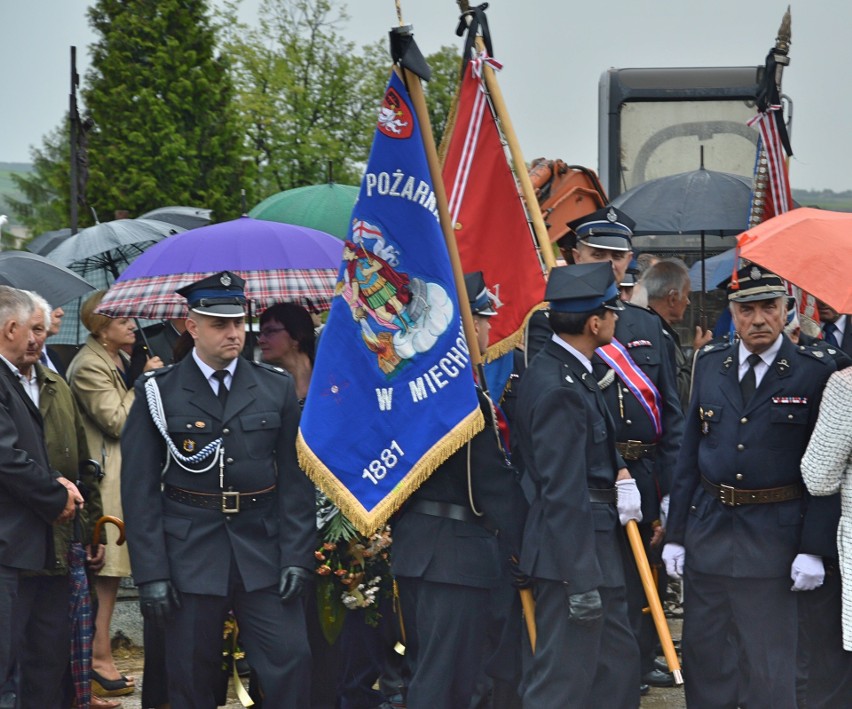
{"x":219,"y":515}
{"x":740,"y":526}
{"x":585,"y":655}
{"x":645,"y":380}
{"x":447,"y":556}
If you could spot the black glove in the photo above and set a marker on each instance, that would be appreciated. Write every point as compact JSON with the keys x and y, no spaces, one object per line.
{"x":519,"y":578}
{"x":585,"y":607}
{"x":293,"y":583}
{"x":157,"y":601}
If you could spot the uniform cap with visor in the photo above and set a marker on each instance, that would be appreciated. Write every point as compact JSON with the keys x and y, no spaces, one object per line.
{"x":221,"y":295}
{"x":582,"y":288}
{"x":607,"y":228}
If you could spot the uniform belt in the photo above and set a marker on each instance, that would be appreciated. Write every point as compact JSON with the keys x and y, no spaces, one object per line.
{"x":450,"y":510}
{"x":227,"y":501}
{"x":605,"y":494}
{"x":635,"y":450}
{"x":732,"y":496}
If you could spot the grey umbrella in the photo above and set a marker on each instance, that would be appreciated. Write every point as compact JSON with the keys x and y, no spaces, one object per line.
{"x":56,"y":284}
{"x":49,"y":240}
{"x":100,"y":253}
{"x":185,"y":217}
{"x":698,"y":202}
{"x":110,"y":246}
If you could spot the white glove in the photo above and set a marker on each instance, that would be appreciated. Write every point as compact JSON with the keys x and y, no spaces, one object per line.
{"x":664,"y":511}
{"x":807,"y":572}
{"x":674,"y":556}
{"x":628,"y":501}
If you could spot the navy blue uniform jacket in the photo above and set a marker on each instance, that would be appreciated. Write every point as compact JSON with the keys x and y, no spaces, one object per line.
{"x":753,"y":446}
{"x":194,"y":547}
{"x":567,"y":442}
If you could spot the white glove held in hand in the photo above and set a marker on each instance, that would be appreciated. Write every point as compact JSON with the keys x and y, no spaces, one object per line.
{"x":674,"y":556}
{"x":628,"y":501}
{"x":807,"y":572}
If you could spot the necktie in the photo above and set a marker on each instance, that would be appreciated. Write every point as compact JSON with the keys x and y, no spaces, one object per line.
{"x":829,"y":334}
{"x":749,"y":381}
{"x":222,"y":395}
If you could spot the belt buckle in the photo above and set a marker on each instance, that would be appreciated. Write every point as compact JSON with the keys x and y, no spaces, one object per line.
{"x":230,"y":502}
{"x":726,"y":495}
{"x":634,"y":450}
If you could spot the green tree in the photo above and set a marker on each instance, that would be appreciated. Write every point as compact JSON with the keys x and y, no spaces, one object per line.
{"x":442,"y":87}
{"x":46,"y":190}
{"x":307,"y":97}
{"x":162,"y":100}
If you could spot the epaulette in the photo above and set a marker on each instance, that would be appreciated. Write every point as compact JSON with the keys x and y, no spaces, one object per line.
{"x":714,"y":347}
{"x":820,"y":354}
{"x":159,"y":372}
{"x":270,"y":368}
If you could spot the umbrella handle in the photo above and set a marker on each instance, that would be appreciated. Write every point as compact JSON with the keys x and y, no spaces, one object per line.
{"x":96,"y":534}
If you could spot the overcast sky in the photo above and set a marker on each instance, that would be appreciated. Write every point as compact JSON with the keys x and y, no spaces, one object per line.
{"x":553,"y":55}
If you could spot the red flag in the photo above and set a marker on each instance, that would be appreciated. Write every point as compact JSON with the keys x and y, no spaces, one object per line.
{"x":493,"y":231}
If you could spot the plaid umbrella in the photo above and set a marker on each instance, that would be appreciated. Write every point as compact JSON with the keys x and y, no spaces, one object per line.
{"x":280,"y":262}
{"x":80,"y":616}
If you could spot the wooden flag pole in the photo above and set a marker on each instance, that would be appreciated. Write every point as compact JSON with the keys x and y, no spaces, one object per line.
{"x":654,"y":601}
{"x":520,"y":166}
{"x":415,"y":90}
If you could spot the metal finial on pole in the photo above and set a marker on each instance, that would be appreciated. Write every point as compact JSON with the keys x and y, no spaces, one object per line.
{"x":785,"y":33}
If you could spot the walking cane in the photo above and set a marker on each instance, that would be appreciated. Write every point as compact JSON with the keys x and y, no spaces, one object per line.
{"x":654,"y":601}
{"x":96,"y":533}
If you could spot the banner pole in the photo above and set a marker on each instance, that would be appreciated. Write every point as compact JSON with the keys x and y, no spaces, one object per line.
{"x":415,"y":91}
{"x":520,"y":166}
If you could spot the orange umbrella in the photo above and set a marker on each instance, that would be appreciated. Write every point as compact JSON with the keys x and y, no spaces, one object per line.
{"x":811,"y":248}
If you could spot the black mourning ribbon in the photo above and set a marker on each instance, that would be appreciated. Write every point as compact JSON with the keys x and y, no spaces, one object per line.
{"x":749,"y":381}
{"x":222,"y":394}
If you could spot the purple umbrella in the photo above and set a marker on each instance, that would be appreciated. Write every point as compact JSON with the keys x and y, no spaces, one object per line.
{"x":279,"y":262}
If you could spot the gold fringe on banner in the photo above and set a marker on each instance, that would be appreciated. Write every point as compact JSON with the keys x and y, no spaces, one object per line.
{"x":510,"y":342}
{"x":368,"y":521}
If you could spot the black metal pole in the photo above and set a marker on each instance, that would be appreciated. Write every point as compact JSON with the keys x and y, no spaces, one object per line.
{"x":74,"y":117}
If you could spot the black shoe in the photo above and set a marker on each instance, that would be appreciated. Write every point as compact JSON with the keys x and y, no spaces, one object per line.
{"x":661,"y":664}
{"x":644,"y":689}
{"x":656,"y":678}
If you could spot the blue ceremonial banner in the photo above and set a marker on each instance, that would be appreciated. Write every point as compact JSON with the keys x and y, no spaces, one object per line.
{"x":392,"y":393}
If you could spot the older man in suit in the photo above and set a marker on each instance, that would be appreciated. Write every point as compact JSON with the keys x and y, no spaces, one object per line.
{"x":32,"y":496}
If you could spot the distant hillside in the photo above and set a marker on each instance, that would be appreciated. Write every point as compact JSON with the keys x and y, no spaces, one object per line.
{"x":7,"y":187}
{"x":825,"y":199}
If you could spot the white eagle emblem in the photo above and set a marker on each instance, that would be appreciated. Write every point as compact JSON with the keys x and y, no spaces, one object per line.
{"x":388,"y":120}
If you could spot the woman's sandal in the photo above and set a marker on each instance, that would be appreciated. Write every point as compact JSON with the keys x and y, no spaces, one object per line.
{"x":103,"y":687}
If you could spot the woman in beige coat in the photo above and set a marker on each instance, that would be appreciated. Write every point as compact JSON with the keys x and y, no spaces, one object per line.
{"x":98,"y":378}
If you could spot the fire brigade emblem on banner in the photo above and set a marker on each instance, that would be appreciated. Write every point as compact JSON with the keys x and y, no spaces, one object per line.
{"x":392,"y":393}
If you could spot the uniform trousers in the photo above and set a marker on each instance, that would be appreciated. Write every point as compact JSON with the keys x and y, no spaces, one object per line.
{"x":272,"y":633}
{"x":761,"y":614}
{"x":43,"y":645}
{"x":825,"y":667}
{"x":445,"y":627}
{"x":581,"y":665}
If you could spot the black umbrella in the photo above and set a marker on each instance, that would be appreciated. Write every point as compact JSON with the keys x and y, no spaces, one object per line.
{"x":49,"y":240}
{"x":111,"y":246}
{"x":698,"y":202}
{"x":56,"y":284}
{"x":99,"y":254}
{"x":185,"y":217}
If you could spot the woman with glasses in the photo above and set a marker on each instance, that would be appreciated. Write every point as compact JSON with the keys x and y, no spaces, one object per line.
{"x":288,"y":340}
